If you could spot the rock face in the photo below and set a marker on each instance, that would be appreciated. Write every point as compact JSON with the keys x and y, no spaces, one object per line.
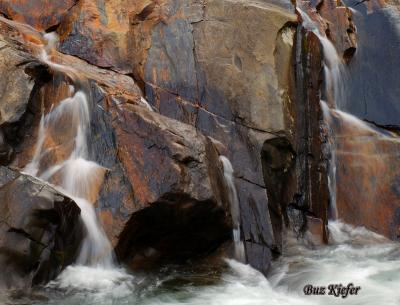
{"x":366,"y":158}
{"x":306,"y":194}
{"x":373,"y":90}
{"x":167,"y":167}
{"x":15,"y":88}
{"x":197,"y":70}
{"x":41,"y":14}
{"x":340,"y":29}
{"x":97,"y":31}
{"x":15,"y":85}
{"x":367,"y":176}
{"x":221,"y":66}
{"x":40,"y":230}
{"x":153,"y":162}
{"x":367,"y":155}
{"x":222,"y":77}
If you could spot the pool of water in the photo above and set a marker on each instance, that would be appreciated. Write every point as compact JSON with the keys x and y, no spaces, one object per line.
{"x":354,"y":255}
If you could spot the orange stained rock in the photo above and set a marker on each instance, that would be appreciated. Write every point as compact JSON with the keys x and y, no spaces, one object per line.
{"x":368,"y":178}
{"x":143,"y":194}
{"x":41,"y":14}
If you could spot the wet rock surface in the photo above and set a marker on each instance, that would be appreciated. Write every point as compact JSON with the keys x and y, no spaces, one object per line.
{"x":40,"y":228}
{"x":236,"y":78}
{"x":373,"y":200}
{"x":235,"y":92}
{"x":203,"y":68}
{"x":146,"y":156}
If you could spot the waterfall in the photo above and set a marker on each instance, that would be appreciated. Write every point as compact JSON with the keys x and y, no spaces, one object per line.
{"x":72,"y":172}
{"x":334,"y":70}
{"x":335,"y":77}
{"x":235,"y":208}
{"x":331,"y":145}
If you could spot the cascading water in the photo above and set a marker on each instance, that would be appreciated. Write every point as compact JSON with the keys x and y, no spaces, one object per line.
{"x":74,"y":174}
{"x":353,"y":255}
{"x":335,"y":77}
{"x":235,"y":208}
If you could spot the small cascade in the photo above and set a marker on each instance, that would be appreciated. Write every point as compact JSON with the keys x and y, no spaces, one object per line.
{"x":63,"y":160}
{"x":334,"y":69}
{"x":331,"y":145}
{"x":235,"y":208}
{"x":335,"y":77}
{"x":340,"y":124}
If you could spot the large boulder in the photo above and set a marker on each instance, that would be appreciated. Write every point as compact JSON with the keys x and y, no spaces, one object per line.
{"x":162,"y":170}
{"x":40,"y":230}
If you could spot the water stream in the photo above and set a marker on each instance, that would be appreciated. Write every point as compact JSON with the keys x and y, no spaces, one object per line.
{"x":235,"y":209}
{"x":335,"y":78}
{"x":62,"y":158}
{"x":354,"y":255}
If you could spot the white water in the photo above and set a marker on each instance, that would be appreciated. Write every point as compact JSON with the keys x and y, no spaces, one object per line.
{"x":334,"y":69}
{"x":335,"y":75}
{"x":354,"y":255}
{"x":76,"y":175}
{"x":79,"y":178}
{"x":235,"y":208}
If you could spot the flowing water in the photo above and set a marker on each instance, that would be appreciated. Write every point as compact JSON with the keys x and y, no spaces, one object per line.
{"x":354,"y":255}
{"x":235,"y":208}
{"x":335,"y":78}
{"x":67,"y":166}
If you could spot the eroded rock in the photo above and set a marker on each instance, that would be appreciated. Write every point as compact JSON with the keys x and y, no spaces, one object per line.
{"x":146,"y":156}
{"x":162,"y":160}
{"x":202,"y":65}
{"x":40,"y":228}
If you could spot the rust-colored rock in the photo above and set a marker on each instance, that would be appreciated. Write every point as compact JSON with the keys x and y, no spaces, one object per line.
{"x":335,"y":21}
{"x":368,"y":176}
{"x":340,"y":27}
{"x":98,"y":31}
{"x":201,"y":65}
{"x":149,"y":161}
{"x":161,"y":158}
{"x":41,"y":14}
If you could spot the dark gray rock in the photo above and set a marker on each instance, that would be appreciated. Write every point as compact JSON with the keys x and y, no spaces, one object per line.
{"x":40,"y":230}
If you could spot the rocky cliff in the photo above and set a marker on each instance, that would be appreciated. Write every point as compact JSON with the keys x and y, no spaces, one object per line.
{"x":173,"y":86}
{"x":199,"y":66}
